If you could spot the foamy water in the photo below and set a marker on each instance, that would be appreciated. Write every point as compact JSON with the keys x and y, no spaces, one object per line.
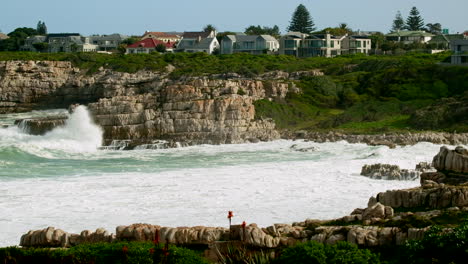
{"x":61,"y":179}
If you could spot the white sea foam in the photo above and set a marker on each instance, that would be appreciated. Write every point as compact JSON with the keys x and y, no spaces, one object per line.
{"x":61,"y":179}
{"x":78,"y":135}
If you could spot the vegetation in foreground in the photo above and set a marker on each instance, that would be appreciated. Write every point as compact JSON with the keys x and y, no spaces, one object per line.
{"x":357,"y":94}
{"x":103,"y":253}
{"x":439,"y":245}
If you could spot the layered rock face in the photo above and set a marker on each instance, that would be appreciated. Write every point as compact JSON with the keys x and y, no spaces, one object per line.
{"x":197,"y":111}
{"x":147,"y":106}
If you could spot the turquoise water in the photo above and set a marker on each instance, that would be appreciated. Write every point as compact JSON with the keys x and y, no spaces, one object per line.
{"x":63,"y":179}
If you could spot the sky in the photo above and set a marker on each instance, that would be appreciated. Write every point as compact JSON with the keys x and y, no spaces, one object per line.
{"x":135,"y":17}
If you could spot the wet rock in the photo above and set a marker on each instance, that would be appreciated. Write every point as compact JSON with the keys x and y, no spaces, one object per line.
{"x":388,"y":172}
{"x":40,"y":126}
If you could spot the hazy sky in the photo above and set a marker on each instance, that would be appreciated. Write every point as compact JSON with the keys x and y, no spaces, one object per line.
{"x":134,"y":17}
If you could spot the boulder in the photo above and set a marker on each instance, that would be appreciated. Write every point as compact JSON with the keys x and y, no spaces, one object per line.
{"x":452,"y":160}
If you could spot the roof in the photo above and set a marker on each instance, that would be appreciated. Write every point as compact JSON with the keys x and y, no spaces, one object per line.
{"x":359,"y":37}
{"x":62,"y":35}
{"x":204,"y":44}
{"x":245,"y":38}
{"x":160,"y":34}
{"x":3,"y":36}
{"x":151,"y":43}
{"x":408,"y":33}
{"x":446,"y":38}
{"x":114,"y":36}
{"x":37,"y":38}
{"x":193,"y":35}
{"x":324,"y":36}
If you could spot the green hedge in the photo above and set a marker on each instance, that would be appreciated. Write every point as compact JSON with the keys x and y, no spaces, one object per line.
{"x":317,"y":253}
{"x":103,"y":253}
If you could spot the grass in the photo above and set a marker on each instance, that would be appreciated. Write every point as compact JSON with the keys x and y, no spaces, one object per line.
{"x":395,"y":123}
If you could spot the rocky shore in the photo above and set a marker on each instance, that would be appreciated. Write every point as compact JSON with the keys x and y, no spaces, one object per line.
{"x":391,"y":139}
{"x":387,"y":220}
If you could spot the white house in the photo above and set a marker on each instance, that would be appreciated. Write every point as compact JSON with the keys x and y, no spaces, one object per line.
{"x":253,"y":44}
{"x":198,"y":42}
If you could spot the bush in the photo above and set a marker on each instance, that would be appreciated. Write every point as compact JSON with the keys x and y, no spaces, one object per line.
{"x":119,"y":252}
{"x":439,"y":246}
{"x":340,"y":253}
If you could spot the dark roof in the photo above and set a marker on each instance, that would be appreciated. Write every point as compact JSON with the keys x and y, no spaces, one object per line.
{"x":150,"y":43}
{"x":193,"y":35}
{"x":409,"y":33}
{"x":446,"y":38}
{"x":62,"y":35}
{"x":359,"y":37}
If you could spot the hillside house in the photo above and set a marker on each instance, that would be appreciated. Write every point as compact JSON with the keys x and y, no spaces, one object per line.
{"x":162,"y":36}
{"x":108,"y":42}
{"x":61,"y":42}
{"x":198,"y":42}
{"x":460,"y":52}
{"x":252,"y":44}
{"x":409,"y":37}
{"x":148,"y":45}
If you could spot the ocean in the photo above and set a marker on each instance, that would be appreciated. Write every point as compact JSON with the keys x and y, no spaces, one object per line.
{"x":64,"y":179}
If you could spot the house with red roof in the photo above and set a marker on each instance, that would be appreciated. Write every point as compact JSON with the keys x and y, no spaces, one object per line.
{"x":163,"y":36}
{"x":149,"y":45}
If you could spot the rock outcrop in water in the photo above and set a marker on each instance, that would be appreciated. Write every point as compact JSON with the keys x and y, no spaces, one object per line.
{"x":393,"y":172}
{"x":40,"y":126}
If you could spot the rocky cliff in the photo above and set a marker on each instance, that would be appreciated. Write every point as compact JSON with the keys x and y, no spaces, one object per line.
{"x":146,"y":106}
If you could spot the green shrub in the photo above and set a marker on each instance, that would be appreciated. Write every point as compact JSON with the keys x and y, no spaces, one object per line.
{"x":340,"y":253}
{"x":119,"y":252}
{"x":439,"y":246}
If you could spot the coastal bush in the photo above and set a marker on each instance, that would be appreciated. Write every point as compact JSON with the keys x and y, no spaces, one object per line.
{"x":439,"y":246}
{"x":314,"y":252}
{"x":119,"y":252}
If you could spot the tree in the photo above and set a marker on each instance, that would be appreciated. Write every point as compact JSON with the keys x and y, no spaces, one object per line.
{"x":221,"y":35}
{"x":130,"y":40}
{"x":161,"y":48}
{"x":301,"y":21}
{"x":414,"y":21}
{"x":341,"y":30}
{"x":435,"y":28}
{"x":209,"y":28}
{"x":41,"y":46}
{"x":258,"y":30}
{"x":16,"y":39}
{"x":377,"y":40}
{"x":41,"y":28}
{"x":398,"y":22}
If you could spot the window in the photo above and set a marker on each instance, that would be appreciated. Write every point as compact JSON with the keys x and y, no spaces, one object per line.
{"x":332,"y":44}
{"x":248,"y":45}
{"x":365,"y":44}
{"x":358,"y":44}
{"x":289,"y":43}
